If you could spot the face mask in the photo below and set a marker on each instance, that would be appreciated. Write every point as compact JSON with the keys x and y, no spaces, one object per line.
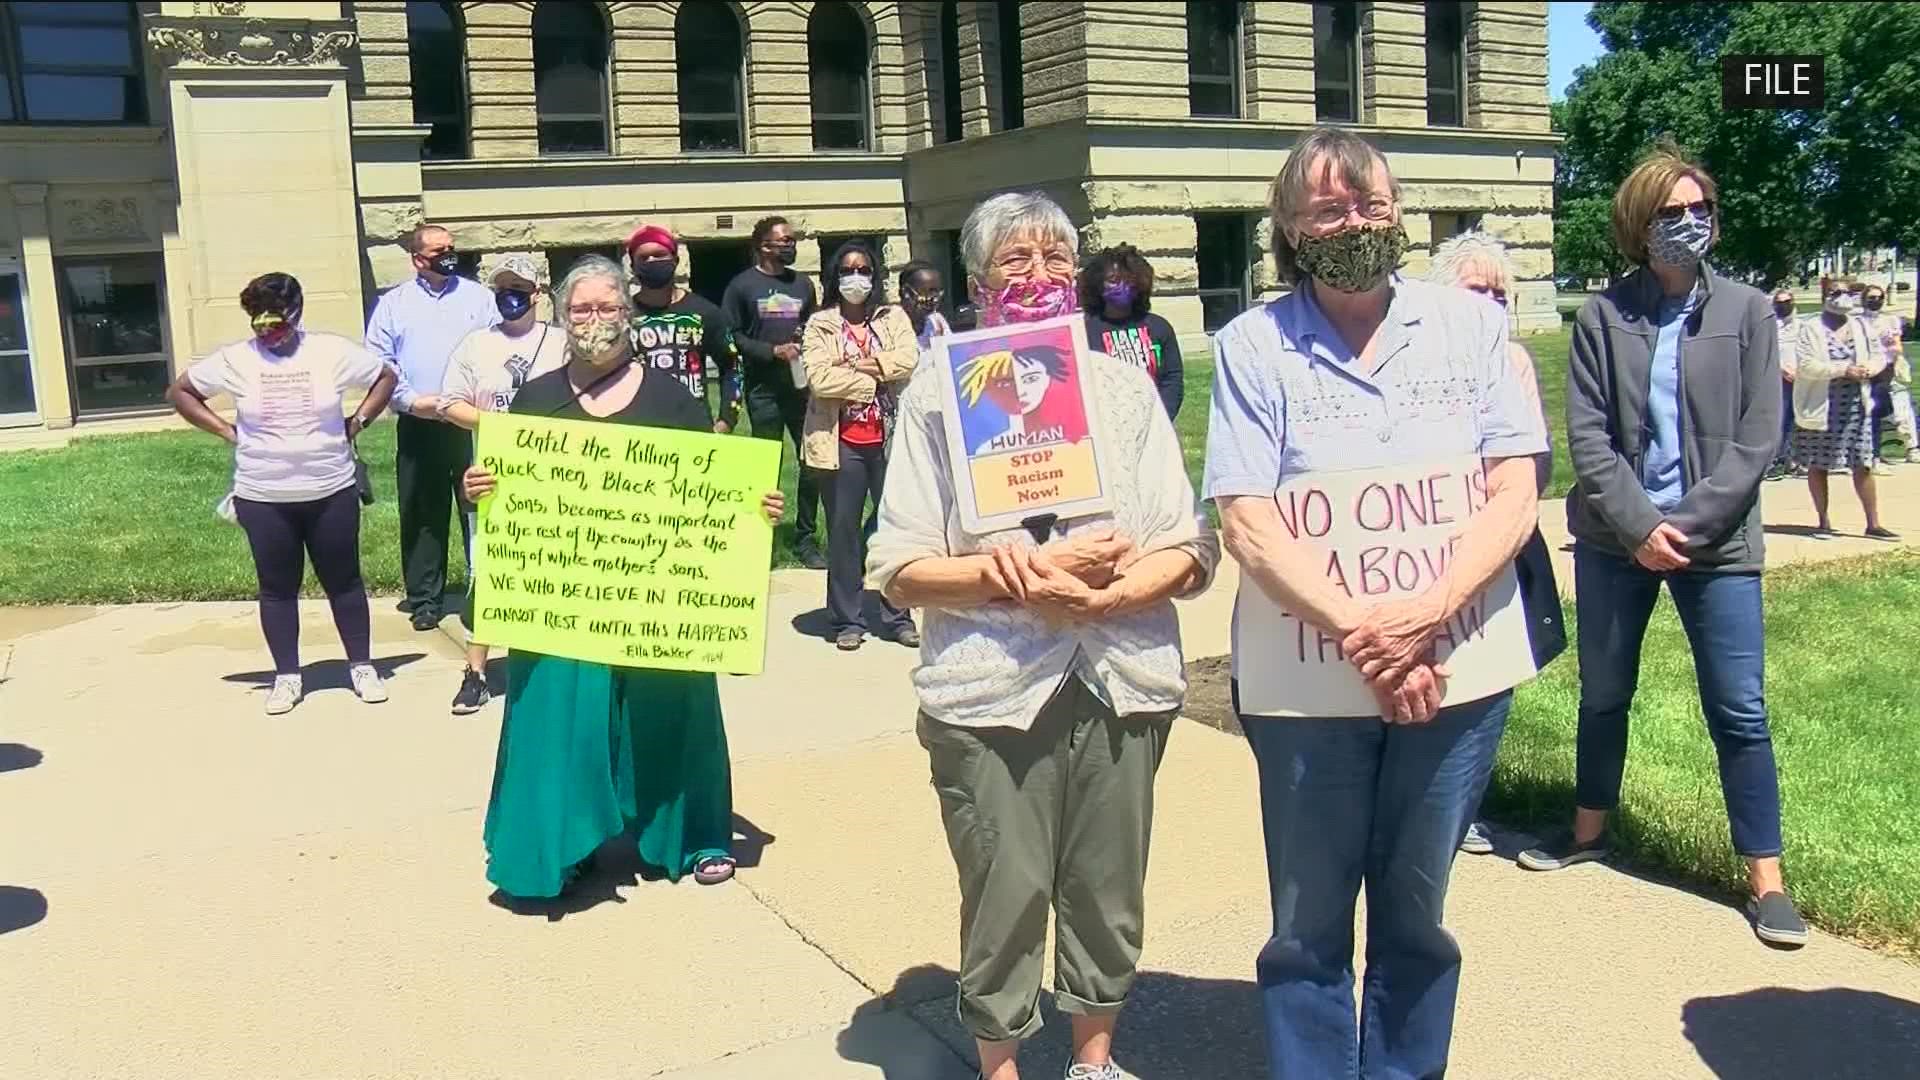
{"x":513,"y":303}
{"x":445,"y":264}
{"x":1028,"y":301}
{"x":274,"y":329}
{"x":786,"y":255}
{"x":1118,"y":293}
{"x":654,"y":273}
{"x":1353,"y":259}
{"x":596,"y":340}
{"x":1783,"y":310}
{"x":1841,"y":305}
{"x":856,"y":287}
{"x":1873,"y":303}
{"x":1680,"y":242}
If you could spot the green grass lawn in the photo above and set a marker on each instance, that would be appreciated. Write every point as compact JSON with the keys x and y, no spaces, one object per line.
{"x":1846,"y":728}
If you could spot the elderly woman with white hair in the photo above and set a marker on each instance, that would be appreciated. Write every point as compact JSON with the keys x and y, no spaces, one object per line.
{"x":586,"y":749}
{"x":1478,"y":263}
{"x":1050,"y":671}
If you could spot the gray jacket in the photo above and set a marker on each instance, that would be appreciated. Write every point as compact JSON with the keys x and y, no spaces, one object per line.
{"x":1729,"y":420}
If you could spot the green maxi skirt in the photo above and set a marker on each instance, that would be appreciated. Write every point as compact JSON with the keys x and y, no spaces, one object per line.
{"x":587,"y":750}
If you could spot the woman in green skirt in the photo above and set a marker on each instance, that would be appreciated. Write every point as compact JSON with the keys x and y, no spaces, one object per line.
{"x":588,"y":749}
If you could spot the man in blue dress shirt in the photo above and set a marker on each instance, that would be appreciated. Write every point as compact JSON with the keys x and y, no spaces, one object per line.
{"x":414,"y":328}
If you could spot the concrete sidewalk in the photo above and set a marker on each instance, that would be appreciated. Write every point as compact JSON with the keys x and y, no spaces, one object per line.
{"x":189,"y":888}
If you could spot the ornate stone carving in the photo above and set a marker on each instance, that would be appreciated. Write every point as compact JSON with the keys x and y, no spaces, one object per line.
{"x":102,"y":218}
{"x":253,"y":43}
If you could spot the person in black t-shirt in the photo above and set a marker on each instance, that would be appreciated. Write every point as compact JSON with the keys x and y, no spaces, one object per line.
{"x":677,"y":332}
{"x":767,"y":304}
{"x":1116,"y":291}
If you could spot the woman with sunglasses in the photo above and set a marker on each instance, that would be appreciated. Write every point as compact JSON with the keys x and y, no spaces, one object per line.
{"x":1673,"y":413}
{"x":295,"y":489}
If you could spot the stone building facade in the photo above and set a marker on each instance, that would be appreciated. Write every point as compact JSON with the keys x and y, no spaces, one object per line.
{"x":229,"y":138}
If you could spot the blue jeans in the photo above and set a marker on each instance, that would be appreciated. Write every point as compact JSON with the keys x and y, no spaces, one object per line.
{"x":1613,"y":597}
{"x":1349,"y":801}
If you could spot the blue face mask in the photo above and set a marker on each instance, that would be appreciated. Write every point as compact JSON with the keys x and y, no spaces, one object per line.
{"x":513,"y":303}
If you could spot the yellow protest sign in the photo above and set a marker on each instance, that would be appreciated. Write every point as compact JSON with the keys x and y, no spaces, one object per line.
{"x":635,"y":546}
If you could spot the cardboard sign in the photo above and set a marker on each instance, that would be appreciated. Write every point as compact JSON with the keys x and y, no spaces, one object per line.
{"x":634,"y":546}
{"x":1022,"y":429}
{"x":1386,"y":534}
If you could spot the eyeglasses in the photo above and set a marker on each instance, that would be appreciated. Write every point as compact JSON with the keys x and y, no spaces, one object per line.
{"x":1330,"y":215}
{"x":1057,"y":261}
{"x":586,"y":312}
{"x":1498,"y":296}
{"x":1698,"y":208}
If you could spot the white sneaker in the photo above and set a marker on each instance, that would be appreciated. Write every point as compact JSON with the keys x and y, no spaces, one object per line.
{"x":1476,"y":842}
{"x":366,"y":684}
{"x":1109,"y":1071}
{"x":286,"y":693}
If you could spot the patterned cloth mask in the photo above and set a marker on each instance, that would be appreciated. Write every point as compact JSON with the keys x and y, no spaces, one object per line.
{"x":1353,"y":259}
{"x":595,"y":339}
{"x":275,"y":329}
{"x":1680,"y":242}
{"x":1028,"y":301}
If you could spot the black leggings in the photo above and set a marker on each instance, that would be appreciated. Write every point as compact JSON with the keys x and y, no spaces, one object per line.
{"x":329,"y":532}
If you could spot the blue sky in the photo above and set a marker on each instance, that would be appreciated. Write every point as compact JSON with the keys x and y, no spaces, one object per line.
{"x":1570,"y":43}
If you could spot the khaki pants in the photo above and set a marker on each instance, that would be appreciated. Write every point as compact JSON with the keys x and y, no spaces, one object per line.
{"x":1057,"y":816}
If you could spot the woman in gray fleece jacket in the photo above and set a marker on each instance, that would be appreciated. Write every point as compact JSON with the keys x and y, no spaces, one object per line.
{"x":1673,"y":414}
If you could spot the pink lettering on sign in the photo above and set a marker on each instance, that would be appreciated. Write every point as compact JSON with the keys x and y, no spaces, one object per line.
{"x":1311,"y":513}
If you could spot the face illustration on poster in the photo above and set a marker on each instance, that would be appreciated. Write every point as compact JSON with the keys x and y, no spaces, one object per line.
{"x":1020,"y":397}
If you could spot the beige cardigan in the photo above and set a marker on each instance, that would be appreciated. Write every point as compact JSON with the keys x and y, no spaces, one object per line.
{"x":1813,"y":370}
{"x":832,"y":383}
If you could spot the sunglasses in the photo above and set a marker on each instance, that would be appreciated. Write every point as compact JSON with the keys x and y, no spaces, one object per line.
{"x":1498,"y":296}
{"x":1700,"y":208}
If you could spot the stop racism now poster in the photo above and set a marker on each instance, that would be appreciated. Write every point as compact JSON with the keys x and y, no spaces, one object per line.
{"x":1022,"y":427}
{"x":1384,"y":534}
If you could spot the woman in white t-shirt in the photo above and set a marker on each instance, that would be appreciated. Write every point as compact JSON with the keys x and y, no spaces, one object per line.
{"x":293,"y":469}
{"x":486,"y":370}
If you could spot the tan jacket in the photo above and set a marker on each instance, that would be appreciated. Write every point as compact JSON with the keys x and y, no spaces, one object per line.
{"x":1813,"y":371}
{"x":832,"y":383}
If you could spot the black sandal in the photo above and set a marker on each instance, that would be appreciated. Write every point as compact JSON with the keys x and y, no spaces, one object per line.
{"x":716,"y":870}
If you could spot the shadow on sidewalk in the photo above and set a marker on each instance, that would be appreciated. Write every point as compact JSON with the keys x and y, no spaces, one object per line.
{"x":14,"y":757}
{"x":1175,"y":1027}
{"x":20,"y":907}
{"x":327,"y":674}
{"x":617,"y":865}
{"x":1774,"y":1032}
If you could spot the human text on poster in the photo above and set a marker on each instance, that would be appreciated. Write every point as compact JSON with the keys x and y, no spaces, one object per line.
{"x":1382,"y":534}
{"x":641,"y":547}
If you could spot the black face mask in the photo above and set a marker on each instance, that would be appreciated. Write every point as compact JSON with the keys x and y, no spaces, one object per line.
{"x":1783,"y":310}
{"x":786,"y":254}
{"x":446,"y":264}
{"x":654,"y":273}
{"x":1874,"y":303}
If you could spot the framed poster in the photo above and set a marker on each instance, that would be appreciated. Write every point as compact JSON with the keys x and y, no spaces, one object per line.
{"x":1022,"y":424}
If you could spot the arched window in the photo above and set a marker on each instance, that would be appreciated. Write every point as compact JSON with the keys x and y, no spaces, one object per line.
{"x":71,"y":64}
{"x":1336,"y":61}
{"x":837,"y":61}
{"x":570,"y":76}
{"x":707,"y":47}
{"x":437,"y":61}
{"x":1213,"y":57}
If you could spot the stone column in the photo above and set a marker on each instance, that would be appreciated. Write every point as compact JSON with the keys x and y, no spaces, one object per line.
{"x":1278,"y":62}
{"x":924,"y":93}
{"x":779,"y":95}
{"x":1069,"y":51}
{"x":52,"y":391}
{"x":894,"y":124}
{"x":646,"y":80}
{"x":500,"y":100}
{"x":978,"y":46}
{"x":227,"y":80}
{"x":1393,"y":64}
{"x":1507,"y":67}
